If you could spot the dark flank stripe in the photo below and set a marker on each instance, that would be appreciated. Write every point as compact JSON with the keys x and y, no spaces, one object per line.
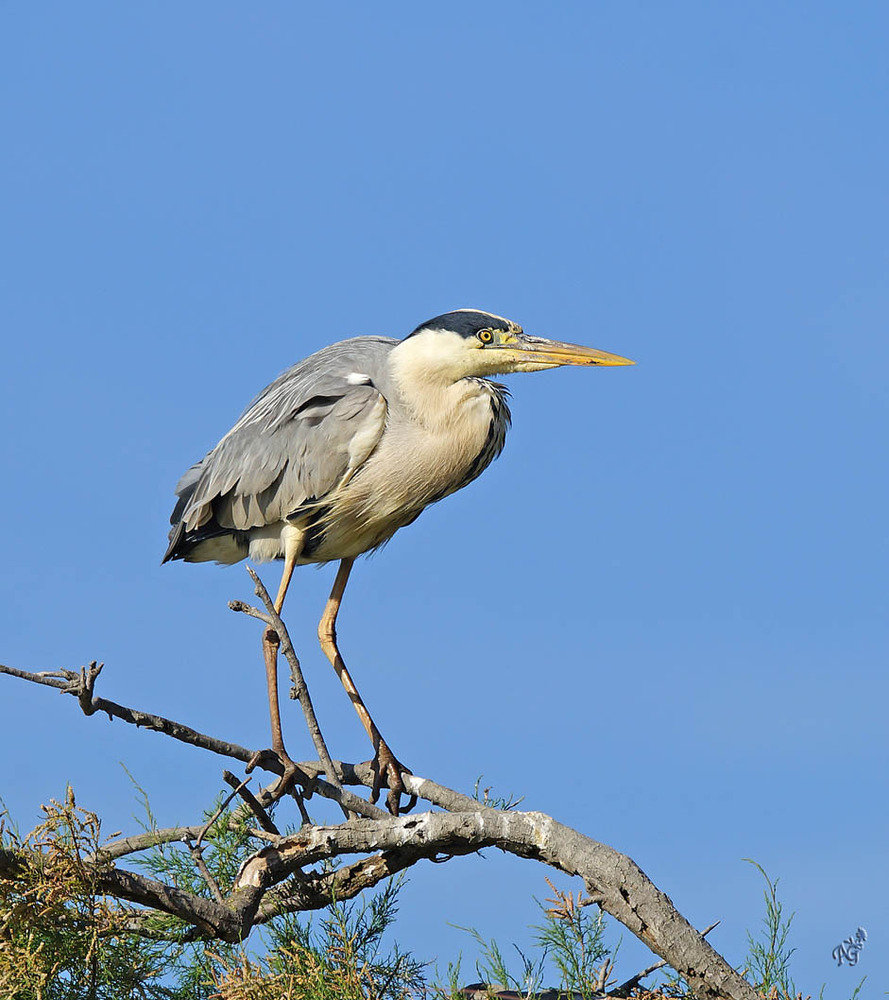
{"x":500,"y":420}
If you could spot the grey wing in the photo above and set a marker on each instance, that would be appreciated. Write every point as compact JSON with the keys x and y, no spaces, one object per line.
{"x":306,"y":433}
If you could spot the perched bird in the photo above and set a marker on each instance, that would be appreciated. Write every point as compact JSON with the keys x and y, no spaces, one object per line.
{"x":348,"y":446}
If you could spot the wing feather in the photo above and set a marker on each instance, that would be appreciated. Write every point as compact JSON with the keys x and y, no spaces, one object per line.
{"x":304,"y":434}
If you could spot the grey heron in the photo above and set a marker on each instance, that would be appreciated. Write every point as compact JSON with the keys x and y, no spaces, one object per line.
{"x":348,"y":446}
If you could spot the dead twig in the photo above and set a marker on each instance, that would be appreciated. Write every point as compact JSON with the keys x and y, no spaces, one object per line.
{"x":604,"y":974}
{"x":251,"y":802}
{"x":83,"y":684}
{"x":224,"y":805}
{"x":141,"y":842}
{"x":198,"y":857}
{"x":273,"y":879}
{"x":67,"y":681}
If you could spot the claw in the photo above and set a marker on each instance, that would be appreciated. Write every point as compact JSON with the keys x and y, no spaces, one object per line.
{"x":288,"y":776}
{"x":385,"y":766}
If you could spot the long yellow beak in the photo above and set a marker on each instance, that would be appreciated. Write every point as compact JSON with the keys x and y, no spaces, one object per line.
{"x":538,"y":351}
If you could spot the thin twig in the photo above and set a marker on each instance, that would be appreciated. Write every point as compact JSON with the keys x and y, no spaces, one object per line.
{"x":141,"y":842}
{"x":220,"y":810}
{"x":304,"y":813}
{"x":625,"y":989}
{"x":269,"y":838}
{"x":605,"y":970}
{"x":252,"y":803}
{"x":201,"y":865}
{"x":152,"y":838}
{"x":62,"y":680}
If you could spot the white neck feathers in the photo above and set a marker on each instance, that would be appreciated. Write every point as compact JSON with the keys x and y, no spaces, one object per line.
{"x":432,"y":371}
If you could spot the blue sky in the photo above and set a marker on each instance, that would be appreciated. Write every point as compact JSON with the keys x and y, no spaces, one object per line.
{"x":661,"y":615}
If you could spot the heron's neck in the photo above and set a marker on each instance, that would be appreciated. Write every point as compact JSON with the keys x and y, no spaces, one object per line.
{"x":434,"y":393}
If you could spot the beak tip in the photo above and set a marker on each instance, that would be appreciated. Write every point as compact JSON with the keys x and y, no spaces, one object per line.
{"x":614,"y":361}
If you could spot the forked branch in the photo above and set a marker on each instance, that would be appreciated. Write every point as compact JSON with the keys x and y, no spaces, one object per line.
{"x":281,"y":877}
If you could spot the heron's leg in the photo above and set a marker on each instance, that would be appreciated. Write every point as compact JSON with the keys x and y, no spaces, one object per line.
{"x":386,"y":765}
{"x":270,"y":645}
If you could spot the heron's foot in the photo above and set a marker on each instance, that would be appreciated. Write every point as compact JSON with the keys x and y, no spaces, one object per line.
{"x":387,"y":771}
{"x":291,"y":771}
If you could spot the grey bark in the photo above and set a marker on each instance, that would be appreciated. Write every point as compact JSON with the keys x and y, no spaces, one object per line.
{"x":265,"y":885}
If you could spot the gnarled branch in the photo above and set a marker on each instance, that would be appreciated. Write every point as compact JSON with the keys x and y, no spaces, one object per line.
{"x":275,"y":879}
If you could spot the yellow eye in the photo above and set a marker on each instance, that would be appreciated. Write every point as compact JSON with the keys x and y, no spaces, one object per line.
{"x":486,"y":336}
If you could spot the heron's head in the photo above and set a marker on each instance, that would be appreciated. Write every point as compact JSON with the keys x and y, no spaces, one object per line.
{"x":471,"y":342}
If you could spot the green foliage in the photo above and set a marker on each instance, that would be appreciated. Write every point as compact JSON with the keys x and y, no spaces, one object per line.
{"x":484,"y":796}
{"x":571,"y":940}
{"x":767,"y":964}
{"x":769,"y":956}
{"x":493,"y":969}
{"x":191,"y":965}
{"x":857,"y":989}
{"x":453,"y":979}
{"x":60,"y":939}
{"x":338,"y":956}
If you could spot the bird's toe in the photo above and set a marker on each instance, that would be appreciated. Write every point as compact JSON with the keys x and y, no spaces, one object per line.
{"x":387,"y":772}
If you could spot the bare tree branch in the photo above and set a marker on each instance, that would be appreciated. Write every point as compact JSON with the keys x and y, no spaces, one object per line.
{"x":222,"y":807}
{"x":316,"y":892}
{"x":197,"y":855}
{"x":626,"y":893}
{"x":142,"y":842}
{"x":423,"y":788}
{"x":273,"y":880}
{"x":69,"y":682}
{"x":626,"y":988}
{"x":251,"y":802}
{"x":63,"y":680}
{"x":229,"y":921}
